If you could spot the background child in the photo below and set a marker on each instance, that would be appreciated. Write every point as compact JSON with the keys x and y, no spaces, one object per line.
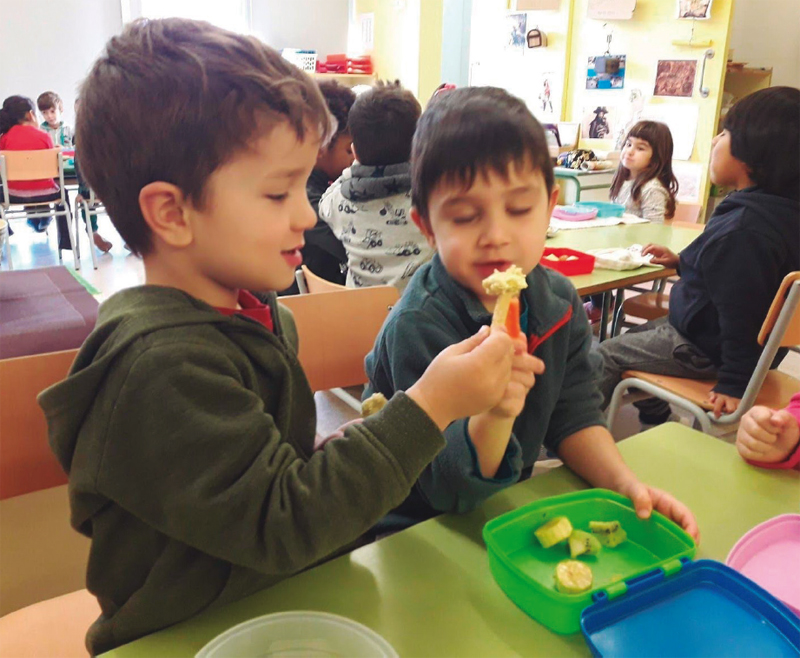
{"x":367,"y":207}
{"x":644,"y":182}
{"x":731,"y":272}
{"x":483,"y":187}
{"x":216,"y":491}
{"x":51,"y":107}
{"x":771,"y":438}
{"x":324,"y":253}
{"x":18,"y":132}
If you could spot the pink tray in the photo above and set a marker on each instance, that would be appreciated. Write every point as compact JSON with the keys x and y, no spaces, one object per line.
{"x":769,"y":555}
{"x":560,"y":212}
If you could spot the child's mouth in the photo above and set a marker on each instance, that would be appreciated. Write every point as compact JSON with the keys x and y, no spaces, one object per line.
{"x":293,"y":257}
{"x":488,"y":268}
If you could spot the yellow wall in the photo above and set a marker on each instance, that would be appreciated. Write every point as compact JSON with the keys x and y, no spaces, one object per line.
{"x":408,"y":42}
{"x":645,"y":39}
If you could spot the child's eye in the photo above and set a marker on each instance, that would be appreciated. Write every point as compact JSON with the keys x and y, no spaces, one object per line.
{"x":463,"y":220}
{"x":516,"y":212}
{"x":278,"y":197}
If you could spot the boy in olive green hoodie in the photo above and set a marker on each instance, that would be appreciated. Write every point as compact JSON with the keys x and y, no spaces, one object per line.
{"x":186,"y":424}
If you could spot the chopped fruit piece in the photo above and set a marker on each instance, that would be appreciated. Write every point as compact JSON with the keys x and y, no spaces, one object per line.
{"x":573,"y":577}
{"x":555,"y":530}
{"x":583,"y":543}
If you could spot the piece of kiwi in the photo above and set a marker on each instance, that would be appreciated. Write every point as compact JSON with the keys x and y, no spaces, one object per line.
{"x":583,"y":543}
{"x":610,"y":533}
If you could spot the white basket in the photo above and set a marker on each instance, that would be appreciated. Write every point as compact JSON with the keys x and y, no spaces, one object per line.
{"x":302,"y":59}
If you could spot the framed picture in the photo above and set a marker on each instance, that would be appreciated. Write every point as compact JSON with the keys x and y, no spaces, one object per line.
{"x":675,"y":77}
{"x":606,"y":72}
{"x":694,"y":9}
{"x":598,"y":122}
{"x":516,"y":29}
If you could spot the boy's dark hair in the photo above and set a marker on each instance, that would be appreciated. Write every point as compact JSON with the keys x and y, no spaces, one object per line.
{"x":339,"y":100}
{"x":172,"y":100}
{"x":765,"y":136}
{"x":471,"y":130}
{"x":13,"y":111}
{"x":49,"y":100}
{"x":660,"y":139}
{"x":382,"y":123}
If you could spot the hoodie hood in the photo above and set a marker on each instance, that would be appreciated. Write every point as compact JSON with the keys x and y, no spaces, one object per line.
{"x":124,"y":318}
{"x":763,"y":212}
{"x":363,"y":183}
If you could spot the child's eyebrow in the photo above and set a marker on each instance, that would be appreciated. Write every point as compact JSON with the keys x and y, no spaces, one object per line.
{"x":285,"y":173}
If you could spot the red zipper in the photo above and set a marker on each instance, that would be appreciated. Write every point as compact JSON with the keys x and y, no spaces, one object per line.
{"x":535,"y":341}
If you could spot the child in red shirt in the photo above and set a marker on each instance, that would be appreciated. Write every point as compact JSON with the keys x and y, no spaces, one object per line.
{"x":19,"y":132}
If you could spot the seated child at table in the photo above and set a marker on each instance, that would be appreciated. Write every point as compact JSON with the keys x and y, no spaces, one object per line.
{"x":18,"y":132}
{"x":186,"y":424}
{"x":367,"y":207}
{"x":483,"y":189}
{"x":771,"y":438}
{"x":644,"y":182}
{"x":51,"y":106}
{"x":731,"y":272}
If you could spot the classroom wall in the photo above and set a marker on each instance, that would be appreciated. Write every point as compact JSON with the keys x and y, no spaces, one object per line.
{"x":768,"y":38}
{"x":48,"y":45}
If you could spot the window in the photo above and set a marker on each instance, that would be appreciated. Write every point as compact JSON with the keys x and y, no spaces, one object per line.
{"x":232,"y":15}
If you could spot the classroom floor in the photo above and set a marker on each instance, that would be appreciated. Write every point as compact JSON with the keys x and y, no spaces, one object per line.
{"x":119,"y":269}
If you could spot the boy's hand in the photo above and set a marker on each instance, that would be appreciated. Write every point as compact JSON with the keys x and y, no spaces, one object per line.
{"x":661,"y":256}
{"x":465,"y":379}
{"x":767,"y":436}
{"x":646,"y":499}
{"x":525,"y":367}
{"x":726,"y":403}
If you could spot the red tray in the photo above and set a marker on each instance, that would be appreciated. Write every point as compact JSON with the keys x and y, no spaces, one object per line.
{"x":584,"y":264}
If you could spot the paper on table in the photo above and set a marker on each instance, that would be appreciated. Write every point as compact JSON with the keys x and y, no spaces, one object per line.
{"x":621,"y":258}
{"x":595,"y":223}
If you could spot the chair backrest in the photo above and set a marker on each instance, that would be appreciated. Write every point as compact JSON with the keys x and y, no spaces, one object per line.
{"x":687,"y":212}
{"x":784,"y":298}
{"x":26,"y":462}
{"x":317,"y":284}
{"x":336,"y":330}
{"x":31,"y":165}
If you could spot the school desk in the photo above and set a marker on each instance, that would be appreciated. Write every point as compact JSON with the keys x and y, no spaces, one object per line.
{"x":675,"y":238}
{"x":577,"y":185}
{"x":429,"y":592}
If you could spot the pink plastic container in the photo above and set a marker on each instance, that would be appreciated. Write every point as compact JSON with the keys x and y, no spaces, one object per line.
{"x":769,"y":555}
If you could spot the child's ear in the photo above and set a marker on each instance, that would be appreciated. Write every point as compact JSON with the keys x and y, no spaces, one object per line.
{"x":164,"y":208}
{"x":423,"y":226}
{"x":553,"y":199}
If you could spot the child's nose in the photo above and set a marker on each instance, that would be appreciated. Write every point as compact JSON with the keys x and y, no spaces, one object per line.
{"x":305,"y":218}
{"x":496,"y":231}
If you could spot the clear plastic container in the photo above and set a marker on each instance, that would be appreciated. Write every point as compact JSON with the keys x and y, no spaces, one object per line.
{"x":299,"y":634}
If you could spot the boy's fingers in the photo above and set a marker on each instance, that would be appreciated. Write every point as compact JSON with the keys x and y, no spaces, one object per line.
{"x":469,"y":344}
{"x":781,"y":419}
{"x":529,"y":363}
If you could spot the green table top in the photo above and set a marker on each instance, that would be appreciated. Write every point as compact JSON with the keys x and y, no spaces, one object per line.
{"x":429,"y":592}
{"x":676,"y":238}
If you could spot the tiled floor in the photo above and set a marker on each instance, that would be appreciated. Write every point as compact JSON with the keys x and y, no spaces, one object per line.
{"x":118,"y":269}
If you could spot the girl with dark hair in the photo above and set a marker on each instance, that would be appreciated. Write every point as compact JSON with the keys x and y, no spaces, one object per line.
{"x":644,"y":182}
{"x":19,"y":132}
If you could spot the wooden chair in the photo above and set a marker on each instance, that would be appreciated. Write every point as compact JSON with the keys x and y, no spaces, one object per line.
{"x":308,"y":282}
{"x":336,"y":331}
{"x":766,"y":387}
{"x":56,"y":627}
{"x":651,"y":305}
{"x":35,"y":165}
{"x":26,"y":461}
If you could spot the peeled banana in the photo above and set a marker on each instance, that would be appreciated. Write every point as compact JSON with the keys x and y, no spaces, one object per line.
{"x":554,"y":531}
{"x":573,"y":577}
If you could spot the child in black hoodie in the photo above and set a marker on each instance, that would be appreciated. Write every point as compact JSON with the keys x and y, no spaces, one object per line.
{"x":731,"y":272}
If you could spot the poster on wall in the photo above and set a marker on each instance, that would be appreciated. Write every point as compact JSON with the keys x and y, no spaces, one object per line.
{"x":516,"y":29}
{"x":694,"y":9}
{"x":606,"y":72}
{"x":549,"y":90}
{"x":675,"y":77}
{"x":598,"y":121}
{"x":689,"y":175}
{"x":538,"y":5}
{"x":611,"y":10}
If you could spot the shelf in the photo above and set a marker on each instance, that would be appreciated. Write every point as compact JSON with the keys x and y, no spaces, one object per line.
{"x":345,"y":76}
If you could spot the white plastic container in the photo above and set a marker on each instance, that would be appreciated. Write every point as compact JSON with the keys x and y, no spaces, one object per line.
{"x":298,"y":634}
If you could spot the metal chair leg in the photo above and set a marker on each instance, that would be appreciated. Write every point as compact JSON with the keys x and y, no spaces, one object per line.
{"x":89,"y":230}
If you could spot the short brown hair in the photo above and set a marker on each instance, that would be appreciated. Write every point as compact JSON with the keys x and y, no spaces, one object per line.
{"x":172,"y":100}
{"x":48,"y":100}
{"x":382,"y":123}
{"x":339,"y":100}
{"x":472,"y":130}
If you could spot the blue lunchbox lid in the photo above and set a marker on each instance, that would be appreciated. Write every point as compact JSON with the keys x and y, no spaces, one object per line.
{"x":701,"y":608}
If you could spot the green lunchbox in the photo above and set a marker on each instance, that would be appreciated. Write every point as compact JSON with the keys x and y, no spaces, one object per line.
{"x":525,"y":571}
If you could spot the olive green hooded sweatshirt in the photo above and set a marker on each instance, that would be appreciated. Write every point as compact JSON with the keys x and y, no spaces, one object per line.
{"x":188,"y":439}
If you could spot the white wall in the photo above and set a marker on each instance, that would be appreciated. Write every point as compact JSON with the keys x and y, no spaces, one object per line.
{"x":319,"y":25}
{"x":767,"y":33}
{"x":47,"y":45}
{"x":51,"y":44}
